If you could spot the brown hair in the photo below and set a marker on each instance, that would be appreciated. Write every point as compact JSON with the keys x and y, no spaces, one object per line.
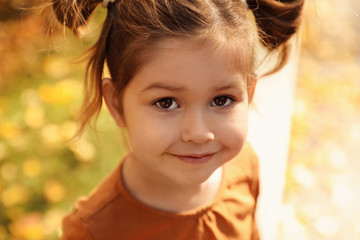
{"x":132,"y":27}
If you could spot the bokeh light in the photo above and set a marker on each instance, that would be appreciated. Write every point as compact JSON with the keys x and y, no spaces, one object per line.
{"x":42,"y":172}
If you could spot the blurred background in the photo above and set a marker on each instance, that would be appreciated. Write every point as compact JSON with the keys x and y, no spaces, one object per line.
{"x":42,"y":173}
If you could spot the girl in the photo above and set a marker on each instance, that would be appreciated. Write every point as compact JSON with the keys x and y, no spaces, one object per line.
{"x":182,"y":77}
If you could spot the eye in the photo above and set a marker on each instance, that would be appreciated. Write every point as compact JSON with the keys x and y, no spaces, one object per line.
{"x":166,"y":104}
{"x":222,"y":101}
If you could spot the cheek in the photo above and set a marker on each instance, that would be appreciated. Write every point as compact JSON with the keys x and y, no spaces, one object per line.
{"x":149,"y":133}
{"x":233,"y":132}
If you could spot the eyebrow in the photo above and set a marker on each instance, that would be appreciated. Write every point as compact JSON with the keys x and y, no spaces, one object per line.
{"x":163,"y":86}
{"x":233,"y":84}
{"x":157,"y":85}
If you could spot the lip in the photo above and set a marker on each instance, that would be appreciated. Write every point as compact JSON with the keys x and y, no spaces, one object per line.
{"x":195,"y":158}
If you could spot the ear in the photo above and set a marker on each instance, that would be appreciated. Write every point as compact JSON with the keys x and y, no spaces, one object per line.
{"x":251,"y":89}
{"x":112,"y":102}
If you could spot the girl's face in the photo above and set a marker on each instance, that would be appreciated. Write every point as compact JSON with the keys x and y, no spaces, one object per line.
{"x":186,"y":113}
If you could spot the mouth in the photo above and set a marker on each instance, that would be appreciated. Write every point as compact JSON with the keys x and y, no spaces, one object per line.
{"x":195,"y":158}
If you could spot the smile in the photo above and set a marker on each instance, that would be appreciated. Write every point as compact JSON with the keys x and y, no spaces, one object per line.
{"x":195,"y":158}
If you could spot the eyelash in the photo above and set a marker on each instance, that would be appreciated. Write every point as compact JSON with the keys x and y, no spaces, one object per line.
{"x":157,"y":104}
{"x":170,"y":108}
{"x":227,"y":98}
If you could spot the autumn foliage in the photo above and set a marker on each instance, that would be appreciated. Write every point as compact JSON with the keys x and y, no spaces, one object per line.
{"x":42,"y":172}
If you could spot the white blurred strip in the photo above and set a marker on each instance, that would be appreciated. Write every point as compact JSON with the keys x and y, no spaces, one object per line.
{"x":269,"y":134}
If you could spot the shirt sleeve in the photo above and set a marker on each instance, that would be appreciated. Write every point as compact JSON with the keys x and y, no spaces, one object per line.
{"x":74,"y":229}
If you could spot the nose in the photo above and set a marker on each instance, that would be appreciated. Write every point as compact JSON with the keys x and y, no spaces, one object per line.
{"x":196,"y":127}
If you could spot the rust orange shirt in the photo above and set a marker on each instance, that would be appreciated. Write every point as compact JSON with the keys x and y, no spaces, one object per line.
{"x":111,"y":213}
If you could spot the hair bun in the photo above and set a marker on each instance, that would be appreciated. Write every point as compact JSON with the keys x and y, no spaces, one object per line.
{"x":74,"y":13}
{"x":276,"y":20}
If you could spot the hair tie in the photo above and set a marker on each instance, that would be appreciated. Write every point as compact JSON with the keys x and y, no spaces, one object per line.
{"x":105,"y":3}
{"x":246,"y":4}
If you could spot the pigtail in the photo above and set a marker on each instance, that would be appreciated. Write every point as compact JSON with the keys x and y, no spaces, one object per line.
{"x":277,"y":21}
{"x":74,"y":14}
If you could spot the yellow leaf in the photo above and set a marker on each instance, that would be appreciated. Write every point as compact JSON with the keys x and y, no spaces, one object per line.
{"x":50,"y":134}
{"x":15,"y":194}
{"x":9,"y":171}
{"x":54,"y":191}
{"x":34,"y":116}
{"x":32,"y":167}
{"x":28,"y":227}
{"x":9,"y":130}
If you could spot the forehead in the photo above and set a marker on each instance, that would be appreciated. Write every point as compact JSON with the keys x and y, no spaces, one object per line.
{"x":235,"y":55}
{"x":183,"y":64}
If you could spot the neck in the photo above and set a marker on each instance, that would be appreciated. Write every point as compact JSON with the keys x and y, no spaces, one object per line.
{"x":166,"y":195}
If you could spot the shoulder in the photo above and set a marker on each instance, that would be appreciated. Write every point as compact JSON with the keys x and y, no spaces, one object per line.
{"x":76,"y":224}
{"x":74,"y":228}
{"x":100,"y":197}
